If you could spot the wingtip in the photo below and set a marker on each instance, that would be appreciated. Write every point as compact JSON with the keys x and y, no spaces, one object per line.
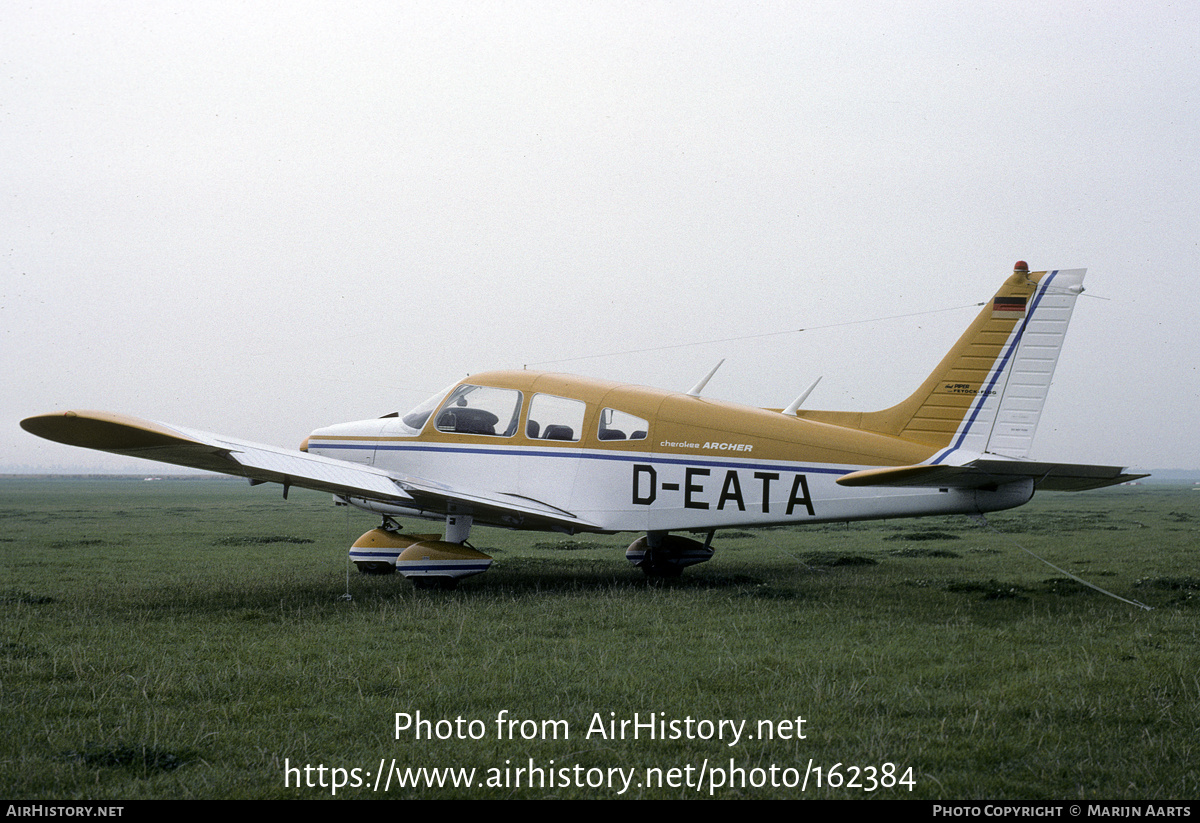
{"x":43,"y":425}
{"x":101,"y":430}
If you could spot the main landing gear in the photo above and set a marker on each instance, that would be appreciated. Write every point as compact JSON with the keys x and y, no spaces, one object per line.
{"x":660,"y":554}
{"x":431,"y":562}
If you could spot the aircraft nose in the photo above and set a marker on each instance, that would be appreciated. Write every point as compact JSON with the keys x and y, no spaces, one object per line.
{"x":304,"y":445}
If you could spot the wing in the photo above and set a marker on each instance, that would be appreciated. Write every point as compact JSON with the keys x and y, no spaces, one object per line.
{"x":982,"y":473}
{"x":261,"y":463}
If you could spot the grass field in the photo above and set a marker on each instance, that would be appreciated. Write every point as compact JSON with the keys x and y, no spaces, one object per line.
{"x":188,"y":638}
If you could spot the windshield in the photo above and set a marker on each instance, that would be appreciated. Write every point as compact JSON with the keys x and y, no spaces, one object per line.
{"x":415,"y":420}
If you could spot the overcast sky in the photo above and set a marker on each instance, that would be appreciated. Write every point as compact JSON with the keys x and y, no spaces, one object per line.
{"x":262,"y":218}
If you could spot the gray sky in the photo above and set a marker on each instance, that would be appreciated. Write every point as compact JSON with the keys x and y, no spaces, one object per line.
{"x":261,"y":218}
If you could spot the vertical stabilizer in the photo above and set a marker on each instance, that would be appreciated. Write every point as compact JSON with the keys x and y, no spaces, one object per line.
{"x":988,"y":392}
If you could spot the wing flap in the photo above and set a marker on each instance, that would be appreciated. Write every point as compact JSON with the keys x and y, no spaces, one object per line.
{"x":979,"y":474}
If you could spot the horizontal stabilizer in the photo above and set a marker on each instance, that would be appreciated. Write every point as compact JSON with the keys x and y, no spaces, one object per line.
{"x":980,"y":474}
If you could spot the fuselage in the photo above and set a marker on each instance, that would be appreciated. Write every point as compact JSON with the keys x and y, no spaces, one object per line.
{"x":631,"y":458}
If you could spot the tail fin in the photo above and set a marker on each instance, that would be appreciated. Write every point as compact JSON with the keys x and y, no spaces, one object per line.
{"x":987,"y":393}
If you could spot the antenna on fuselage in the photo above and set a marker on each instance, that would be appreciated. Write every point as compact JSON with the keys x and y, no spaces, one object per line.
{"x":699,"y":387}
{"x":795,"y":404}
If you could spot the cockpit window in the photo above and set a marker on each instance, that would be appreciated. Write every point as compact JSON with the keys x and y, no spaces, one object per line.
{"x":618,"y":425}
{"x":555,"y":418}
{"x":415,"y":420}
{"x":480,"y":410}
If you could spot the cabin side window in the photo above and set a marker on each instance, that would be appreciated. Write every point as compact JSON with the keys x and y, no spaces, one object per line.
{"x":555,"y":418}
{"x":618,"y":425}
{"x":480,"y":410}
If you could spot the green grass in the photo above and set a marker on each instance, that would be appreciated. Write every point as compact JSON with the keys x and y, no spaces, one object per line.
{"x":182,"y":639}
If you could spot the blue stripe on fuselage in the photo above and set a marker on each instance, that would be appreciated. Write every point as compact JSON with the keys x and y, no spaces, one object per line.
{"x":644,"y":457}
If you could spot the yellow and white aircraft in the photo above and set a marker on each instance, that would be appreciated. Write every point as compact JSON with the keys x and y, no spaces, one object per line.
{"x":555,"y":452}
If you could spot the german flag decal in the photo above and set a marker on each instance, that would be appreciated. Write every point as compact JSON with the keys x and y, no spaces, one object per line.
{"x":1008,"y":308}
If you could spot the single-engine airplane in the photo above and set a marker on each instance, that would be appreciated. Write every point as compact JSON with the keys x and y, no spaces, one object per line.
{"x":554,"y":452}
